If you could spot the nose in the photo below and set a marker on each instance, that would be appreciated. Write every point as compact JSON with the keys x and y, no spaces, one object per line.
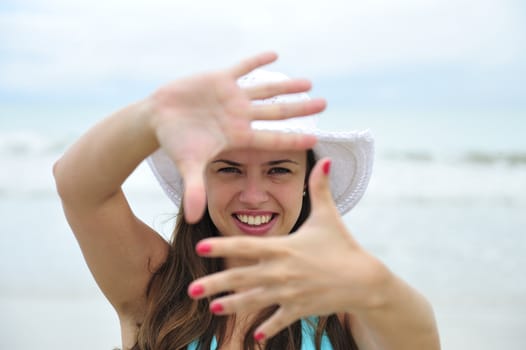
{"x":253,"y":192}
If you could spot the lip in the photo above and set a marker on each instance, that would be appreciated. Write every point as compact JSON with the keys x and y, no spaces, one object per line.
{"x":260,"y":230}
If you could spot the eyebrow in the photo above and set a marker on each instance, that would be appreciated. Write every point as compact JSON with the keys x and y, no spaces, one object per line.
{"x":271,"y":163}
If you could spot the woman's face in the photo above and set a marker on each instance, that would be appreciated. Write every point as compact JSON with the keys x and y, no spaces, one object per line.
{"x":257,"y":193}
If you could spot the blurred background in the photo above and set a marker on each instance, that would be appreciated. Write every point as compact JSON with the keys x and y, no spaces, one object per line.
{"x":439,"y":83}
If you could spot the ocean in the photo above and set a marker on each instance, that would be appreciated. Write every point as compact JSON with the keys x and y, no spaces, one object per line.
{"x":445,"y":210}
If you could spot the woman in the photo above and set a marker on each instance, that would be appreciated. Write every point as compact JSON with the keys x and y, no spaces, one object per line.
{"x":233,"y":277}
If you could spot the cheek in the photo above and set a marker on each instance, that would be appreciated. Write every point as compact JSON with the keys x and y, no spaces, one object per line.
{"x":217,"y":198}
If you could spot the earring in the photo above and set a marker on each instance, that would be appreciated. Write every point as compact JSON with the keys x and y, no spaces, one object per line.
{"x":304,"y":193}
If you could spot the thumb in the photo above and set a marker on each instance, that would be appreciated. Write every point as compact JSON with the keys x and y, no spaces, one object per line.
{"x":319,"y":186}
{"x":194,"y":198}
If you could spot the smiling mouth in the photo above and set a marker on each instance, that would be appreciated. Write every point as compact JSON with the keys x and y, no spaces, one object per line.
{"x":254,"y":220}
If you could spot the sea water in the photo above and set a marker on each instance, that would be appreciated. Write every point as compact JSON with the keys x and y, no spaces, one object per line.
{"x":445,"y":210}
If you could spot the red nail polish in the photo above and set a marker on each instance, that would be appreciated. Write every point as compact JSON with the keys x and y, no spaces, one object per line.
{"x":196,"y":290}
{"x":203,"y":248}
{"x":327,"y":167}
{"x":259,"y":336}
{"x":216,"y":308}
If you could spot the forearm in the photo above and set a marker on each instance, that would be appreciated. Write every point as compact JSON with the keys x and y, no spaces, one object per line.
{"x":398,"y":318}
{"x":94,"y":168}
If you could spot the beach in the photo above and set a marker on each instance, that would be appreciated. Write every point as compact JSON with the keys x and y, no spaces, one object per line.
{"x":452,"y":224}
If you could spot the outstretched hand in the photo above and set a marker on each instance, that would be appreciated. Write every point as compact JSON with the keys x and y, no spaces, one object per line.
{"x":318,"y":270}
{"x":198,"y":117}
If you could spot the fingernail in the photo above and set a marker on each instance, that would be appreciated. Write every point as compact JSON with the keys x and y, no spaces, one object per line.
{"x":259,"y":336}
{"x":203,"y":248}
{"x":216,"y":308}
{"x":196,"y":290}
{"x":327,"y":167}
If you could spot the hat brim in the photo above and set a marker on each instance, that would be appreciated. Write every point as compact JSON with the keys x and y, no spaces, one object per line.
{"x":352,"y":155}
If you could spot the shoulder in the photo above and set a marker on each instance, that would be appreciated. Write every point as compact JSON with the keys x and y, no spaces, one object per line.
{"x":361,"y":334}
{"x":130,"y":325}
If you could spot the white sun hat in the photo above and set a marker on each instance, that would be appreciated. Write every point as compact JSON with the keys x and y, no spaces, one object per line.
{"x":351,"y":152}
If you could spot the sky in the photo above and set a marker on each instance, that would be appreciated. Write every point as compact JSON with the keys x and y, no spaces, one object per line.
{"x":379,"y":54}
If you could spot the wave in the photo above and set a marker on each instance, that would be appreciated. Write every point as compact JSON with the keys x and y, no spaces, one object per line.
{"x":31,"y":143}
{"x":411,"y":156}
{"x":34,"y":143}
{"x":490,"y":158}
{"x":485,"y":158}
{"x":27,"y":157}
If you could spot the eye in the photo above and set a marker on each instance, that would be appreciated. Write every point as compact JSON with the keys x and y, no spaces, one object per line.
{"x":278,"y":171}
{"x":229,"y":170}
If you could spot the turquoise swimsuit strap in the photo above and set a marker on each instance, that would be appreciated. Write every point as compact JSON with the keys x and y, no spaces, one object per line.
{"x":307,"y":340}
{"x":193,"y":345}
{"x":308,"y":329}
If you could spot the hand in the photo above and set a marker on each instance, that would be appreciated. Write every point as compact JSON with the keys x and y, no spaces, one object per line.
{"x":198,"y":117}
{"x":318,"y":270}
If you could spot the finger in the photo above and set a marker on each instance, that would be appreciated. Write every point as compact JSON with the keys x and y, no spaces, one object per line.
{"x":322,"y":202}
{"x":251,"y":300}
{"x":276,"y":111}
{"x":275,"y":140}
{"x":273,"y":325}
{"x":319,"y":186}
{"x":194,"y":198}
{"x":238,"y":247}
{"x":260,"y":92}
{"x":249,"y":64}
{"x":238,"y":278}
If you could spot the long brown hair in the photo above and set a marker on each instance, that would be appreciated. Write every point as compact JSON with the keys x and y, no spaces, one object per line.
{"x":173,"y":320}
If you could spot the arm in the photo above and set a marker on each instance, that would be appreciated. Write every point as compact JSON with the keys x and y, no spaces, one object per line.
{"x":319,"y":270}
{"x":398,"y":318}
{"x":119,"y":249}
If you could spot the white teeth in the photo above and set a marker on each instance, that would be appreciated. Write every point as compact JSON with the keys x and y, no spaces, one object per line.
{"x":254,"y":220}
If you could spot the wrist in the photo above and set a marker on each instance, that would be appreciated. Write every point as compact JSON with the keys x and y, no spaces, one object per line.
{"x":160,"y":107}
{"x":146,"y":115}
